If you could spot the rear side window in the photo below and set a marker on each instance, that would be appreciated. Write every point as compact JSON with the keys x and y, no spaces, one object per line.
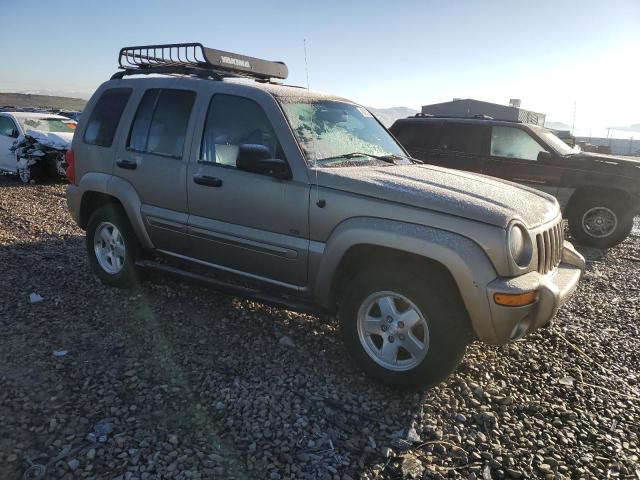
{"x":160,"y":124}
{"x":140,"y":128}
{"x":233,"y":121}
{"x":416,"y":136}
{"x":105,"y":117}
{"x":464,"y":138}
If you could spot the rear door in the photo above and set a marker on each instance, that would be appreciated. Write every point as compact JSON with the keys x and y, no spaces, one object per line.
{"x":514,"y":155}
{"x":7,"y":157}
{"x":462,"y":146}
{"x":243,"y":222}
{"x":154,"y":160}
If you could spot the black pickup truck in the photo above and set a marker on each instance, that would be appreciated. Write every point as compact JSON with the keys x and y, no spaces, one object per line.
{"x":599,"y":194}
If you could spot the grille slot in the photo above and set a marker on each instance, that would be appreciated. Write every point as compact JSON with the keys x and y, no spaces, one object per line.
{"x":550,"y":243}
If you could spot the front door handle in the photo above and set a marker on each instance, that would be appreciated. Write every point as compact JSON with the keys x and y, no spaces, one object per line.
{"x":128,"y":164}
{"x":207,"y":181}
{"x":529,"y":180}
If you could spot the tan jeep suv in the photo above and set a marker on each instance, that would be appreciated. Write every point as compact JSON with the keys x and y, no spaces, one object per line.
{"x":218,"y":173}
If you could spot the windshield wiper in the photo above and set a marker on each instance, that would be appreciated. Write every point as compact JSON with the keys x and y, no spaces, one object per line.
{"x":398,"y":157}
{"x":384,"y":158}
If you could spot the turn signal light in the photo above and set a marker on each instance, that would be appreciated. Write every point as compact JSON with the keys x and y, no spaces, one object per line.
{"x":515,"y":299}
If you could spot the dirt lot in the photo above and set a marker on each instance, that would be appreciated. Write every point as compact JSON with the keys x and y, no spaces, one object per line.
{"x":183,"y":382}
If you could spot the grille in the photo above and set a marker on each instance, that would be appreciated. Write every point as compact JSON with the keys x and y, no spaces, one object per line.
{"x":550,"y":244}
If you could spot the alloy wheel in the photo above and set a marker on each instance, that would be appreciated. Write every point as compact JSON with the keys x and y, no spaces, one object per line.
{"x":393,"y":331}
{"x":599,"y":222}
{"x":109,"y":248}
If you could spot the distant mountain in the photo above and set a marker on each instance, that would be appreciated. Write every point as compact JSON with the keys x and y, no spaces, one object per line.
{"x":631,"y":128}
{"x":85,"y":94}
{"x":48,"y":101}
{"x":557,"y":126}
{"x":389,"y":115}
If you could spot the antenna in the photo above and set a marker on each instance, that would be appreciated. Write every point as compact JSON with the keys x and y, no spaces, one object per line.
{"x":319,"y":203}
{"x":306,"y":65}
{"x":573,"y":127}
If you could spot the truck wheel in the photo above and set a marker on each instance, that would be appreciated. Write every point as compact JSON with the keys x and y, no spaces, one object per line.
{"x":112,"y":247}
{"x":600,"y":222}
{"x":404,"y":327}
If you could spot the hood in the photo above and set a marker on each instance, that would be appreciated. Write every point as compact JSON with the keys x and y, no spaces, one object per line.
{"x":615,"y":164}
{"x":60,"y":140}
{"x":476,"y":197}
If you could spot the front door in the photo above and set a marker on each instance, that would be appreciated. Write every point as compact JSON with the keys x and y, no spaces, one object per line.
{"x":154,"y":161}
{"x":7,"y":132}
{"x":242,"y":222}
{"x":515,"y":155}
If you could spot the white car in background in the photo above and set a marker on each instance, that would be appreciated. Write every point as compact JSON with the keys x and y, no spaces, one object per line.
{"x":34,"y":143}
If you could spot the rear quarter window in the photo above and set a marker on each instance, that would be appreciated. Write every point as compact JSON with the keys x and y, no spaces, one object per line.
{"x":105,"y":117}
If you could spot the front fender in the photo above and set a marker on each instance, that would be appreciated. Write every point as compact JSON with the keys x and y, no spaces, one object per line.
{"x":467,"y":263}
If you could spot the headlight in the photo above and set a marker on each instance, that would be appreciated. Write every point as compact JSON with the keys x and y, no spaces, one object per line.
{"x":519,"y":245}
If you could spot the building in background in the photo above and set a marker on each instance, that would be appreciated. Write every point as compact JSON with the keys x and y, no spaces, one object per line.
{"x":468,"y":107}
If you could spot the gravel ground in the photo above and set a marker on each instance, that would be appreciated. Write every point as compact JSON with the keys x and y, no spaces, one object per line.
{"x":182,"y":382}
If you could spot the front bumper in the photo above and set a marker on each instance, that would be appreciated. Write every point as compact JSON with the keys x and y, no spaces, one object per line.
{"x":554,"y":290}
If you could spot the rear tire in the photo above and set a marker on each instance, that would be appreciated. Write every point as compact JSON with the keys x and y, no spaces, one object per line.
{"x":600,"y":221}
{"x":426,"y":298}
{"x":112,"y":247}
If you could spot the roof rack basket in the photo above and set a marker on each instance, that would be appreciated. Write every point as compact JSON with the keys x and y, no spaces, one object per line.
{"x":195,"y":59}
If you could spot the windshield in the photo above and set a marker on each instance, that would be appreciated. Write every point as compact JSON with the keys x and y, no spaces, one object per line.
{"x":557,"y":144}
{"x":47,"y":125}
{"x":328,"y":130}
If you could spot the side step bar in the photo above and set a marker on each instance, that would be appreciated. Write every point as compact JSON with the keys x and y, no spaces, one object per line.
{"x":231,"y":289}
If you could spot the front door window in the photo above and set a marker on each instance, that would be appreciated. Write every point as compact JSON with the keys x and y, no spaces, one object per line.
{"x":7,"y":127}
{"x":513,"y":142}
{"x":231,"y":122}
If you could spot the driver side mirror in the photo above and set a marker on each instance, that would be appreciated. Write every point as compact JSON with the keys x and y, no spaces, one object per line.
{"x":258,"y":159}
{"x":544,"y":156}
{"x":13,"y":133}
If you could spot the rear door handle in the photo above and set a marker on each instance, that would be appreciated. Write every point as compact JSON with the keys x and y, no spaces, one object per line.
{"x":128,"y":164}
{"x":207,"y":180}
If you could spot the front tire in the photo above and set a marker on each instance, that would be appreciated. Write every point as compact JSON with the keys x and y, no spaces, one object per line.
{"x":404,"y":326}
{"x":112,"y":247}
{"x":600,"y":221}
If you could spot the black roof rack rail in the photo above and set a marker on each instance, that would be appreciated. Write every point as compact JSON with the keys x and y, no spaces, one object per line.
{"x":482,"y":116}
{"x":195,"y":59}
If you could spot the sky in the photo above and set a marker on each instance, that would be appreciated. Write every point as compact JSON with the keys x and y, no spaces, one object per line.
{"x":554,"y":55}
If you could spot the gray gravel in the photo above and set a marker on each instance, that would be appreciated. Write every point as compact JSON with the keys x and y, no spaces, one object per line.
{"x":176,"y":381}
